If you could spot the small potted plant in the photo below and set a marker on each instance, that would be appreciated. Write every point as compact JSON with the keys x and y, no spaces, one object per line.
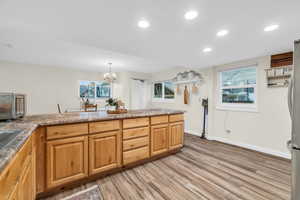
{"x":112,"y":104}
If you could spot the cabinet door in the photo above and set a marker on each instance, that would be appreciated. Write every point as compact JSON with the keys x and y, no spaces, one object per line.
{"x":26,"y":183}
{"x":33,"y":162}
{"x":176,"y":134}
{"x":67,"y":160}
{"x":104,"y":151}
{"x":15,"y":193}
{"x":159,"y":139}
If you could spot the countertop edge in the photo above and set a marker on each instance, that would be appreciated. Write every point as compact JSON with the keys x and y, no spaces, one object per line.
{"x":61,"y":122}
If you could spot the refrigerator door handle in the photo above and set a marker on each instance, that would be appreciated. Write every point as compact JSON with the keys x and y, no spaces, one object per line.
{"x":290,"y":97}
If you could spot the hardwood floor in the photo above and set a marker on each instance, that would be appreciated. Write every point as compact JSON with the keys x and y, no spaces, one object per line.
{"x":203,"y":170}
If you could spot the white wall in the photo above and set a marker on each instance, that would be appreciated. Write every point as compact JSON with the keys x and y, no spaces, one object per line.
{"x":194,"y":110}
{"x":47,"y":86}
{"x":268,"y":129}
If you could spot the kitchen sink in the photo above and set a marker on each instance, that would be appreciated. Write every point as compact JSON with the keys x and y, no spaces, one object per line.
{"x":7,"y":136}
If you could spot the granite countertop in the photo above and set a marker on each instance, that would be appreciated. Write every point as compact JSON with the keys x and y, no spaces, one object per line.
{"x":21,"y":132}
{"x":23,"y":128}
{"x":75,"y":117}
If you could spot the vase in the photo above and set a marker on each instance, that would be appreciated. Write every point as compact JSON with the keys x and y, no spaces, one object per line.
{"x":112,"y":108}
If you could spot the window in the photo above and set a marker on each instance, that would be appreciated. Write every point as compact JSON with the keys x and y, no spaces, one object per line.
{"x":158,"y":90}
{"x":163,"y":91}
{"x":237,"y":89}
{"x":102,"y":90}
{"x":94,"y":89}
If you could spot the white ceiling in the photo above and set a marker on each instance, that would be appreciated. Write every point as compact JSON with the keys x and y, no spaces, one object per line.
{"x":88,"y":34}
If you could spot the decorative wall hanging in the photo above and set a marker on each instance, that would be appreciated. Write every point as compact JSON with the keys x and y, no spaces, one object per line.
{"x":188,"y":77}
{"x":178,"y":91}
{"x":186,"y":95}
{"x":194,"y":89}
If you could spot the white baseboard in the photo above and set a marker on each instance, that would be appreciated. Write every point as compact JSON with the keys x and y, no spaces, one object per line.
{"x":252,"y":147}
{"x":192,"y":132}
{"x":247,"y":146}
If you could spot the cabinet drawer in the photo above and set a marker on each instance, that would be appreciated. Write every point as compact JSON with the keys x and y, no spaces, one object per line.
{"x":137,"y":122}
{"x":134,"y":133}
{"x":62,"y":131}
{"x":176,"y":118}
{"x":135,"y":143}
{"x":96,"y":127}
{"x":135,"y":155}
{"x":159,"y":119}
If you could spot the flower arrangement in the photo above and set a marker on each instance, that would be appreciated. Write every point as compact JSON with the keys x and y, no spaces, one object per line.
{"x":112,"y":102}
{"x":115,"y":105}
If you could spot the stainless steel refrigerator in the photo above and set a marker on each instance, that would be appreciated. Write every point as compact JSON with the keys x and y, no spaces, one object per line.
{"x":294,"y":107}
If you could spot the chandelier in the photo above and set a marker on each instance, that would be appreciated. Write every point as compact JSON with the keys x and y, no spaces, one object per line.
{"x":110,"y":76}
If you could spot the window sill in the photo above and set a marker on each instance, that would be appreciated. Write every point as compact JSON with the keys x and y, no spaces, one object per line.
{"x":163,"y":100}
{"x":237,"y":109}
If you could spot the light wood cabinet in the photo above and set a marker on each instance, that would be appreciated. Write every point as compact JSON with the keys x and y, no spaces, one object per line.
{"x":104,"y":151}
{"x":96,"y":127}
{"x":57,"y":155}
{"x":176,"y":133}
{"x":159,"y":119}
{"x":13,"y":173}
{"x":135,"y":133}
{"x":68,"y":130}
{"x":135,"y":122}
{"x":33,"y":161}
{"x":159,"y":139}
{"x":26,"y":184}
{"x":15,"y":193}
{"x":176,"y":118}
{"x":135,"y":143}
{"x":135,"y":155}
{"x":67,"y":160}
{"x":41,"y":159}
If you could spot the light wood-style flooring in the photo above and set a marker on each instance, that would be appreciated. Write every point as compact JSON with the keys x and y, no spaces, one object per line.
{"x":203,"y":170}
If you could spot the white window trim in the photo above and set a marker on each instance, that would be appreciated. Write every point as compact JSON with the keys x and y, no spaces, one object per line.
{"x":236,"y":106}
{"x":95,"y":92}
{"x":162,"y":99}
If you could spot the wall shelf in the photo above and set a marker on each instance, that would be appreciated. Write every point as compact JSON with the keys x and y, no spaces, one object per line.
{"x":279,"y":76}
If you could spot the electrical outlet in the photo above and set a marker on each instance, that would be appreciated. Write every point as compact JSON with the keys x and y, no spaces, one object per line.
{"x":228,"y":131}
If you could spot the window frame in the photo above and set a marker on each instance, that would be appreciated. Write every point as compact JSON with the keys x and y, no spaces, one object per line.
{"x":162,"y":99}
{"x":95,"y":90}
{"x":251,"y":107}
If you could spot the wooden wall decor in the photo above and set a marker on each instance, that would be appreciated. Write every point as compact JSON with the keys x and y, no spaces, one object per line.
{"x":283,"y":59}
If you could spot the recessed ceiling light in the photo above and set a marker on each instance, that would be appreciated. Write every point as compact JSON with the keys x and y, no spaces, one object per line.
{"x":143,"y":24}
{"x":190,"y":15}
{"x":272,"y":27}
{"x":207,"y":49}
{"x":222,"y":33}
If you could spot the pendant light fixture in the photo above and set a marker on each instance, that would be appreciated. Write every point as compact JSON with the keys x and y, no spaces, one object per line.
{"x":110,"y":76}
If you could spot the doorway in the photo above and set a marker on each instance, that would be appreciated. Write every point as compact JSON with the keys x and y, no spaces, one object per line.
{"x":140,"y":96}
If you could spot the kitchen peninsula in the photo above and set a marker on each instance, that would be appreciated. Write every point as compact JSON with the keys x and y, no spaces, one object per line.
{"x":52,"y":152}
